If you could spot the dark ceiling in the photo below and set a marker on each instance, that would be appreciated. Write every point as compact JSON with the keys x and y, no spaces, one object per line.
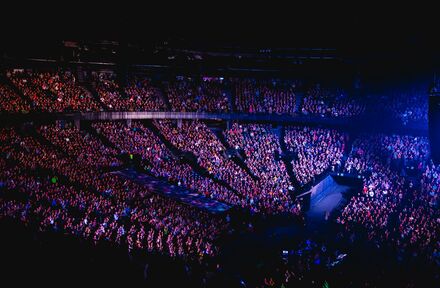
{"x":358,"y":37}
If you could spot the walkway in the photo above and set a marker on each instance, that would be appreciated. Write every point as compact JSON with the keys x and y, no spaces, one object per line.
{"x":173,"y":191}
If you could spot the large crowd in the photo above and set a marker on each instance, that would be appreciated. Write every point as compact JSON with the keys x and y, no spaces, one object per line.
{"x":326,"y":102}
{"x":316,"y":150}
{"x":397,"y":215}
{"x":159,"y":161}
{"x":274,"y":96}
{"x":57,"y":177}
{"x":198,"y":95}
{"x":197,"y":138}
{"x":138,"y":95}
{"x":431,"y":184}
{"x":58,"y":189}
{"x":87,"y":149}
{"x":261,"y":146}
{"x":53,"y":91}
{"x":11,"y":101}
{"x":407,"y":104}
{"x":61,"y":92}
{"x":394,"y":209}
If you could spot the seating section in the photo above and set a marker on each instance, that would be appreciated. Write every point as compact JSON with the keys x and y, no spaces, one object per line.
{"x":138,"y":139}
{"x":57,"y":177}
{"x":63,"y":192}
{"x":261,"y":147}
{"x":315,"y":151}
{"x":197,"y":95}
{"x":330,"y":103}
{"x":253,"y":96}
{"x":11,"y":102}
{"x":53,"y":91}
{"x":61,"y":92}
{"x":138,"y":95}
{"x":387,"y":195}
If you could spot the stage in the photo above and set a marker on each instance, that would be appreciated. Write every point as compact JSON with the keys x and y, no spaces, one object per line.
{"x":327,"y":196}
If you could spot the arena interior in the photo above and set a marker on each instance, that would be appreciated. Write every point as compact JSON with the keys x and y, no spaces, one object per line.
{"x":216,"y":162}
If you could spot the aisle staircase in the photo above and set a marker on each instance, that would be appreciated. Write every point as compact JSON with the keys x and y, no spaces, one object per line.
{"x":90,"y":88}
{"x":6,"y":81}
{"x":188,"y":158}
{"x":287,"y":157}
{"x":230,"y":92}
{"x":298,"y":101}
{"x":237,"y":157}
{"x":164,"y":95}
